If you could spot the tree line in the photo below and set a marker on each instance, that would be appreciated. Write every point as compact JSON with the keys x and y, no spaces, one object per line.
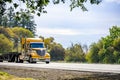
{"x":106,"y":50}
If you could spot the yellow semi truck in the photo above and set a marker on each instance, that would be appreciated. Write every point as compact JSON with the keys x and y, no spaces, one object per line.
{"x":32,"y":50}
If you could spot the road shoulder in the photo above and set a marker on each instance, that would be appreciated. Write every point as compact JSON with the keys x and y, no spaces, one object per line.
{"x":54,"y":74}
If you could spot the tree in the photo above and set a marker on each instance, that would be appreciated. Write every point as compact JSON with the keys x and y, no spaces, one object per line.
{"x":116,"y":53}
{"x":41,"y":37}
{"x":7,"y":32}
{"x":4,"y":21}
{"x":5,"y":44}
{"x":20,"y":33}
{"x":75,"y":53}
{"x":116,"y":44}
{"x":48,"y":41}
{"x":15,"y":34}
{"x":38,"y":6}
{"x":112,"y":45}
{"x":102,"y":55}
{"x":10,"y":15}
{"x":26,"y":21}
{"x":117,"y":56}
{"x":114,"y":32}
{"x":57,"y":52}
{"x":109,"y":57}
{"x":92,"y":56}
{"x":107,"y":49}
{"x":2,"y":10}
{"x":22,"y":19}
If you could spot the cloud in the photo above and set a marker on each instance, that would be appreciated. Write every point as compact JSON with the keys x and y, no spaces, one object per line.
{"x":70,"y":32}
{"x":116,"y":1}
{"x":56,"y":31}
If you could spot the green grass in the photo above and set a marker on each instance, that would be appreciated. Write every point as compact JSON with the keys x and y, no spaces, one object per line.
{"x":6,"y":76}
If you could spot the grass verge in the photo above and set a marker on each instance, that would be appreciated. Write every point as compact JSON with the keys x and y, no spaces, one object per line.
{"x":6,"y":76}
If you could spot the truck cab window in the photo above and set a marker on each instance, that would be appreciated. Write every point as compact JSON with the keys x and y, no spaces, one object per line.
{"x":36,"y":45}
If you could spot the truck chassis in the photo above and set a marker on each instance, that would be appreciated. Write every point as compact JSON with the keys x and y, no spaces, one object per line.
{"x":11,"y":57}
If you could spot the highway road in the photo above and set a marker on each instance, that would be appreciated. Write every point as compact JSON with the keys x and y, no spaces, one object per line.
{"x":110,"y":68}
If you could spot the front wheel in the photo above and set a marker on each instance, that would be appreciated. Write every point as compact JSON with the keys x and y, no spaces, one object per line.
{"x":47,"y":62}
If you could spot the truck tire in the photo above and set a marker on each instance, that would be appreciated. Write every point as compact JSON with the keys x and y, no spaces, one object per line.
{"x":18,"y":60}
{"x":1,"y":60}
{"x":31,"y":60}
{"x":9,"y":60}
{"x":47,"y":62}
{"x":21,"y":61}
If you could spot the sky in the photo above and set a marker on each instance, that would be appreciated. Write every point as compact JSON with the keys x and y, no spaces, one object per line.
{"x":77,"y":26}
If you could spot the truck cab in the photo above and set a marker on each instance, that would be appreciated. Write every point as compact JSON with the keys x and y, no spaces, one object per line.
{"x":33,"y":50}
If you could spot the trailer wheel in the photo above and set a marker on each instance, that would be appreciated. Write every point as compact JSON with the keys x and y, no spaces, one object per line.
{"x":9,"y":60}
{"x":1,"y":60}
{"x":21,"y":61}
{"x":18,"y":60}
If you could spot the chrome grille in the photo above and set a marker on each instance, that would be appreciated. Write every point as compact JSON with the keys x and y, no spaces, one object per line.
{"x":40,"y":52}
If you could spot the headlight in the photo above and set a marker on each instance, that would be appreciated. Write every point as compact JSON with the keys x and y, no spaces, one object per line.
{"x":47,"y":55}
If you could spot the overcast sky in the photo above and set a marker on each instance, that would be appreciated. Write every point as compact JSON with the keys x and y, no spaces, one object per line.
{"x":77,"y":26}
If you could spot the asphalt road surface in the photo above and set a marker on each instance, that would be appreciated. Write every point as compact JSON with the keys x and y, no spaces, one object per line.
{"x":110,"y":68}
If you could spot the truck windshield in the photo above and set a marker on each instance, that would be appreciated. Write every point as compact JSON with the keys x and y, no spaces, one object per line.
{"x":36,"y":45}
